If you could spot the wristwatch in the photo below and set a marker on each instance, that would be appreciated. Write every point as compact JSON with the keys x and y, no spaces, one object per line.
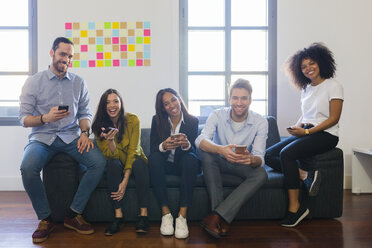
{"x":86,"y":132}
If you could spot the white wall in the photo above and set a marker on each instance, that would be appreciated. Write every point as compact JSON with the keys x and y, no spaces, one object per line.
{"x":138,"y":86}
{"x":344,"y":25}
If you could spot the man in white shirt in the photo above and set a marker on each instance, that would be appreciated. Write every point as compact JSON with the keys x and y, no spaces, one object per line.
{"x":224,"y":130}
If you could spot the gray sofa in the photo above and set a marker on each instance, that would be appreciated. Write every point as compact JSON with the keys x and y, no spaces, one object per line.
{"x":61,"y":177}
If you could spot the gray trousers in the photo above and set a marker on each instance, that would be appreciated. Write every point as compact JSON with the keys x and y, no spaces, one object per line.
{"x":214,"y":166}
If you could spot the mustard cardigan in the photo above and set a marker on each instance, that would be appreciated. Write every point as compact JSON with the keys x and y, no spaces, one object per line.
{"x":129,"y":149}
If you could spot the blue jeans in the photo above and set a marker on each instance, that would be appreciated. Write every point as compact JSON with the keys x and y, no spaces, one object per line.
{"x":37,"y":155}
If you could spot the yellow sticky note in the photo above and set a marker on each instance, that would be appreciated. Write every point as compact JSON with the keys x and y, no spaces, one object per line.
{"x":139,"y":32}
{"x":131,"y":55}
{"x":83,"y":25}
{"x":123,"y":32}
{"x":92,"y":48}
{"x":107,"y":48}
{"x":84,"y":33}
{"x":84,"y":41}
{"x":131,"y":48}
{"x":131,"y":25}
{"x":116,"y":55}
{"x":75,"y":33}
{"x":115,"y":25}
{"x":83,"y":56}
{"x":139,"y":48}
{"x":99,"y":25}
{"x":107,"y":32}
{"x":147,"y":40}
{"x":92,"y":33}
{"x":99,"y":63}
{"x":107,"y":55}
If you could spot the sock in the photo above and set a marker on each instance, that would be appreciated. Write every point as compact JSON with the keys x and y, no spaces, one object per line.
{"x":49,"y":218}
{"x":71,"y":214}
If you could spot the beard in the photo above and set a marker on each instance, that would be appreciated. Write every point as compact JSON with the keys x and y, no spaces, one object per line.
{"x":60,"y":66}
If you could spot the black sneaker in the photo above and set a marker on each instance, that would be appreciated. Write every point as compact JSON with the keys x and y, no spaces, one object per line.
{"x":312,"y":182}
{"x":142,"y":224}
{"x":114,"y":226}
{"x":292,"y":219}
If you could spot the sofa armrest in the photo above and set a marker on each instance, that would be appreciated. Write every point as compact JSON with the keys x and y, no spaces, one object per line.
{"x":330,"y":159}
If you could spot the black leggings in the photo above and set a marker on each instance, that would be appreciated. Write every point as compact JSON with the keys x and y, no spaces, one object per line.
{"x":140,"y":171}
{"x":283,"y":156}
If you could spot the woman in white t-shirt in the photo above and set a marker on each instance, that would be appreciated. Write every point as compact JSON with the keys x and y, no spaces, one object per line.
{"x":316,"y":131}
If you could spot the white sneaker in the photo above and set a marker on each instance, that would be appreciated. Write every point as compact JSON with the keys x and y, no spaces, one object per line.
{"x":166,"y":227}
{"x":182,"y":231}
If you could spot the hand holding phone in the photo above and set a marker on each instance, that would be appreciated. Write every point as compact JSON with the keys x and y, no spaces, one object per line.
{"x":240,"y":149}
{"x":63,"y":107}
{"x":108,"y":129}
{"x":290,"y":128}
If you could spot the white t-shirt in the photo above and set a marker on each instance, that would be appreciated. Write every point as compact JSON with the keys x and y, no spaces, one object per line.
{"x":315,"y":102}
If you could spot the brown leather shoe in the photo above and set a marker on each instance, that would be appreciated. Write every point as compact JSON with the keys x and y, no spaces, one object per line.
{"x":42,"y":232}
{"x":78,"y":224}
{"x":224,"y":228}
{"x":211,"y":224}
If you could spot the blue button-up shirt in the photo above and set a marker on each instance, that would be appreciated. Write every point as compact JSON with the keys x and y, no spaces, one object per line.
{"x":253,"y":134}
{"x":43,"y":91}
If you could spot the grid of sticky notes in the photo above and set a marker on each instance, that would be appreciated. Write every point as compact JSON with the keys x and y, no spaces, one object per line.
{"x":110,"y":44}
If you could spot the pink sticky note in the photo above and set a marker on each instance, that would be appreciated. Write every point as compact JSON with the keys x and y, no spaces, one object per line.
{"x":146,"y":32}
{"x":99,"y":55}
{"x":92,"y":63}
{"x":139,"y":62}
{"x":123,"y":48}
{"x":115,"y":40}
{"x":116,"y":62}
{"x":84,"y":48}
{"x":70,"y":64}
{"x":68,"y":25}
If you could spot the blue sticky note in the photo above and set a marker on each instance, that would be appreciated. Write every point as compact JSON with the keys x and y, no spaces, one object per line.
{"x":146,"y":25}
{"x":91,"y":25}
{"x":146,"y":48}
{"x":84,"y":63}
{"x":115,"y":32}
{"x":123,"y":62}
{"x":99,"y":40}
{"x":131,"y":40}
{"x":146,"y":55}
{"x":68,"y":33}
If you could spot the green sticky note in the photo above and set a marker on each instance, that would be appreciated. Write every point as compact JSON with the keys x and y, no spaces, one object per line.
{"x":139,"y":40}
{"x":99,"y":48}
{"x":107,"y":25}
{"x":107,"y":63}
{"x":131,"y":62}
{"x":76,"y":63}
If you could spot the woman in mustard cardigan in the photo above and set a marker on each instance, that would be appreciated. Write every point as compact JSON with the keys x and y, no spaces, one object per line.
{"x":118,"y":136}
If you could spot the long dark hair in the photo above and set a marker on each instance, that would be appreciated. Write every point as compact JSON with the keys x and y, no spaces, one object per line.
{"x":161,"y":115}
{"x":102,"y":119}
{"x":317,"y":52}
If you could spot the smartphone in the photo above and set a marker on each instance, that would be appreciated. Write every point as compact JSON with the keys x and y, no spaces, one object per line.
{"x":108,"y":129}
{"x":61,"y":107}
{"x":175,"y":136}
{"x":240,"y":149}
{"x":290,"y":128}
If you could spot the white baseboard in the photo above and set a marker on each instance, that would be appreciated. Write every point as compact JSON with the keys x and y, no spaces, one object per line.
{"x":11,"y":184}
{"x":347,"y":182}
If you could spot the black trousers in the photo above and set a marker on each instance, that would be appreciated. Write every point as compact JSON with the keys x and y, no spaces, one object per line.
{"x":283,"y":156}
{"x":187,"y":168}
{"x":140,"y":172}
